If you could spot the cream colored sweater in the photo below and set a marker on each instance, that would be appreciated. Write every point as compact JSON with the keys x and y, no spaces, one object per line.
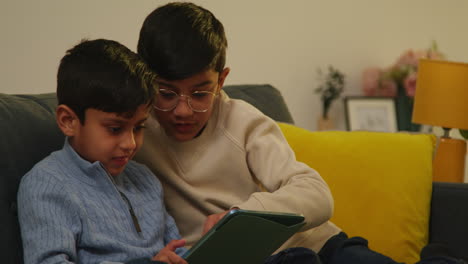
{"x":241,"y":159}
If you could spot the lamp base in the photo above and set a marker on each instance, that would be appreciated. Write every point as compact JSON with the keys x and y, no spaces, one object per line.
{"x":449,"y":160}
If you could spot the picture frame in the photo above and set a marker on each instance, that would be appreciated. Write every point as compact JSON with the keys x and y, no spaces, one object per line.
{"x":371,"y":113}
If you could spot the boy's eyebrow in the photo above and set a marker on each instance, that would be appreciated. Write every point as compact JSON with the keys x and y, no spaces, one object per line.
{"x":201,"y":84}
{"x":122,"y":120}
{"x":165,"y":84}
{"x":142,"y":120}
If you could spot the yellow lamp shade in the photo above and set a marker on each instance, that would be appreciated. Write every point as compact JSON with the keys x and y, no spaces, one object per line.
{"x":441,"y":97}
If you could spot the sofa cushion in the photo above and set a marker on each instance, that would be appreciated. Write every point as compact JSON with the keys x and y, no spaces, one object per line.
{"x":264,"y":97}
{"x":28,"y":133}
{"x":381,"y":183}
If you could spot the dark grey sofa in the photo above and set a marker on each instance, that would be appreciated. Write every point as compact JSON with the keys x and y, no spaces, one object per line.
{"x":28,"y":133}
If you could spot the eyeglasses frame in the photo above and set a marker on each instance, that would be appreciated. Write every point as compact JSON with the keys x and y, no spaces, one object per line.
{"x":189,"y":100}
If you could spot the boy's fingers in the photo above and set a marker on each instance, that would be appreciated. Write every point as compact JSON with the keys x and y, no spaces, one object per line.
{"x":170,"y":258}
{"x":211,"y":220}
{"x":174,"y":244}
{"x":175,"y":259}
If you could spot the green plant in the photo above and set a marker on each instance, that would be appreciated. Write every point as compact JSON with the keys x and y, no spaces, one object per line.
{"x":330,"y":88}
{"x":464,"y":133}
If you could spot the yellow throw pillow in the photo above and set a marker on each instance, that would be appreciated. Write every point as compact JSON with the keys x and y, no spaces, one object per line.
{"x":381,"y":183}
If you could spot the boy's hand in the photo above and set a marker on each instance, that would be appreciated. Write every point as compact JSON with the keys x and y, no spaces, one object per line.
{"x":211,"y":220}
{"x":168,"y":255}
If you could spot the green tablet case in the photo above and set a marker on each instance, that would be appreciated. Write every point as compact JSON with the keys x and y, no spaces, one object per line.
{"x":244,"y":237}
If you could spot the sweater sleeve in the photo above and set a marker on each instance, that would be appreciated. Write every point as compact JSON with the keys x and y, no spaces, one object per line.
{"x":49,"y":225}
{"x":172,"y":233}
{"x":291,"y":186}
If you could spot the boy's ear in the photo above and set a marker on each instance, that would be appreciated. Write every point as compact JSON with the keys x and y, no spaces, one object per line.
{"x":67,"y":120}
{"x":222,"y":78}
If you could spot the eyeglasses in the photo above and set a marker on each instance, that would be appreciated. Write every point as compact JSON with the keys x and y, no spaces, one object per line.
{"x":199,"y":101}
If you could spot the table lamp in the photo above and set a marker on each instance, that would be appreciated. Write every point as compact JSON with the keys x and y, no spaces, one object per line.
{"x":441,"y":99}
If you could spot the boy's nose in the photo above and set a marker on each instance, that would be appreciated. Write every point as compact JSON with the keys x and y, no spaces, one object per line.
{"x":128,"y":141}
{"x":183,"y":108}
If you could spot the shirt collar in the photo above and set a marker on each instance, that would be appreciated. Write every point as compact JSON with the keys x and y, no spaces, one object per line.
{"x":90,"y":172}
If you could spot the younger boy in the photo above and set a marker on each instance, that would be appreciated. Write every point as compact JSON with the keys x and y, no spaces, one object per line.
{"x":223,"y":153}
{"x":89,"y":203}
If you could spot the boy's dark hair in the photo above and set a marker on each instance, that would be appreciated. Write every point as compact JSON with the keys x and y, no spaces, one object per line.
{"x":180,"y":39}
{"x":104,"y":75}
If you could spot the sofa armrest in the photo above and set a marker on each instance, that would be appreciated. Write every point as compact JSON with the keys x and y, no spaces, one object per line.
{"x":449,"y":216}
{"x":28,"y":133}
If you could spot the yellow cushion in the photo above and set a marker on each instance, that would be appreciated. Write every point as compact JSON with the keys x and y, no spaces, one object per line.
{"x":381,"y":183}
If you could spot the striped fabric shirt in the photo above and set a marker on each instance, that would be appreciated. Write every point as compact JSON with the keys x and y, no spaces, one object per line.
{"x":70,"y":211}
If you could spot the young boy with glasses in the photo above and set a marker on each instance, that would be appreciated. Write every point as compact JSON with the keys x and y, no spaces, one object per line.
{"x":213,"y":153}
{"x":89,"y":202}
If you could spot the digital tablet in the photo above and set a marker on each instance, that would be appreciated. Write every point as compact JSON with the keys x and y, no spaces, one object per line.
{"x":244,"y":236}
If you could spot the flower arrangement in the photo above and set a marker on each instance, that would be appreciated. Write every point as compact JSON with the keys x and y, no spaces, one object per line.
{"x":399,"y":81}
{"x":330,"y":88}
{"x":399,"y":78}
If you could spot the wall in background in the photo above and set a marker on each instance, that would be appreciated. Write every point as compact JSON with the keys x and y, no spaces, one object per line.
{"x":277,"y":42}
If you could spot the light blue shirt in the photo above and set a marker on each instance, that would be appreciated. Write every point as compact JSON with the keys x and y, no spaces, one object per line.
{"x":71,"y":212}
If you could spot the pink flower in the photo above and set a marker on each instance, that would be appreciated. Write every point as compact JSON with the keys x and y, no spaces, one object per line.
{"x":388,"y":88}
{"x":403,"y":73}
{"x":370,"y":81}
{"x":409,"y":57}
{"x":410,"y":84}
